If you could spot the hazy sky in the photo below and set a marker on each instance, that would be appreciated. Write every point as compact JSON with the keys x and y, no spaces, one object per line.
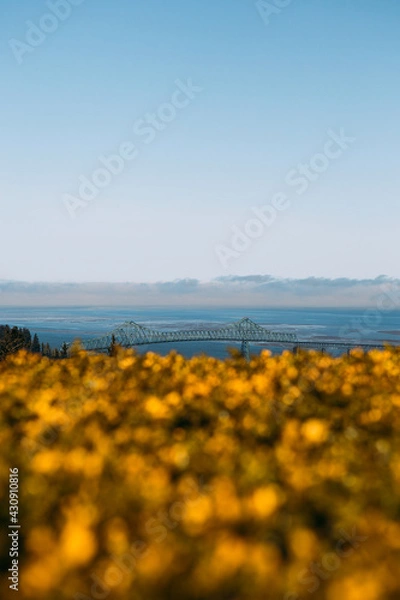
{"x":216,"y":109}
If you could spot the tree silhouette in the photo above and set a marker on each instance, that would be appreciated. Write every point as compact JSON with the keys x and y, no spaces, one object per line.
{"x":13,"y":339}
{"x":35,"y":347}
{"x":113,"y":346}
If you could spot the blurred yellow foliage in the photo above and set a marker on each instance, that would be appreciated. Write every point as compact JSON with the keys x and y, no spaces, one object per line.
{"x":150,"y":478}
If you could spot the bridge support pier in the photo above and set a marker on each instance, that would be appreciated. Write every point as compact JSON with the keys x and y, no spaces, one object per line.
{"x":245,"y":349}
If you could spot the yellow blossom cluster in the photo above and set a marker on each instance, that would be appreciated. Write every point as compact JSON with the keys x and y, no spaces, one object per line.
{"x":144,"y":477}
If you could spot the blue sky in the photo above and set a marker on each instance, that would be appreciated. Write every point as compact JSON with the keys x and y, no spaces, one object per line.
{"x":268,"y":94}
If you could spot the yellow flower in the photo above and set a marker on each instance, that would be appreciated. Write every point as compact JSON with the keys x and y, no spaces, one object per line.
{"x":266,"y":500}
{"x":303,"y":543}
{"x":156,"y":407}
{"x":315,"y":431}
{"x":77,"y":544}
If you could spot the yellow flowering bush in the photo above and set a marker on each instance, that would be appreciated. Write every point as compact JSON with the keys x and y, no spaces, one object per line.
{"x":144,"y":477}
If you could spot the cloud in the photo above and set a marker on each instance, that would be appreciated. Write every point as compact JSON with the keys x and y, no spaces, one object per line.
{"x":252,"y":290}
{"x":179,"y":286}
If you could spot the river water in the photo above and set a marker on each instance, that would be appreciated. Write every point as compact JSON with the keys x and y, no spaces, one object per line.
{"x":58,"y":325}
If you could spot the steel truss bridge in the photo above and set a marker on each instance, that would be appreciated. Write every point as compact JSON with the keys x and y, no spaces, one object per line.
{"x":130,"y":334}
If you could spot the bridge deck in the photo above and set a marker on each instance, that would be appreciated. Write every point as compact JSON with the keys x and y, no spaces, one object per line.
{"x":132,"y":334}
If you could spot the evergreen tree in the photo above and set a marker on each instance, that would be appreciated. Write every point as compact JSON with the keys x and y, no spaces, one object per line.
{"x":27,"y":338}
{"x":13,"y":339}
{"x":35,"y":347}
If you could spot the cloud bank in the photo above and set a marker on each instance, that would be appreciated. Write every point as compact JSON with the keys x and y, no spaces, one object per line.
{"x":230,"y":291}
